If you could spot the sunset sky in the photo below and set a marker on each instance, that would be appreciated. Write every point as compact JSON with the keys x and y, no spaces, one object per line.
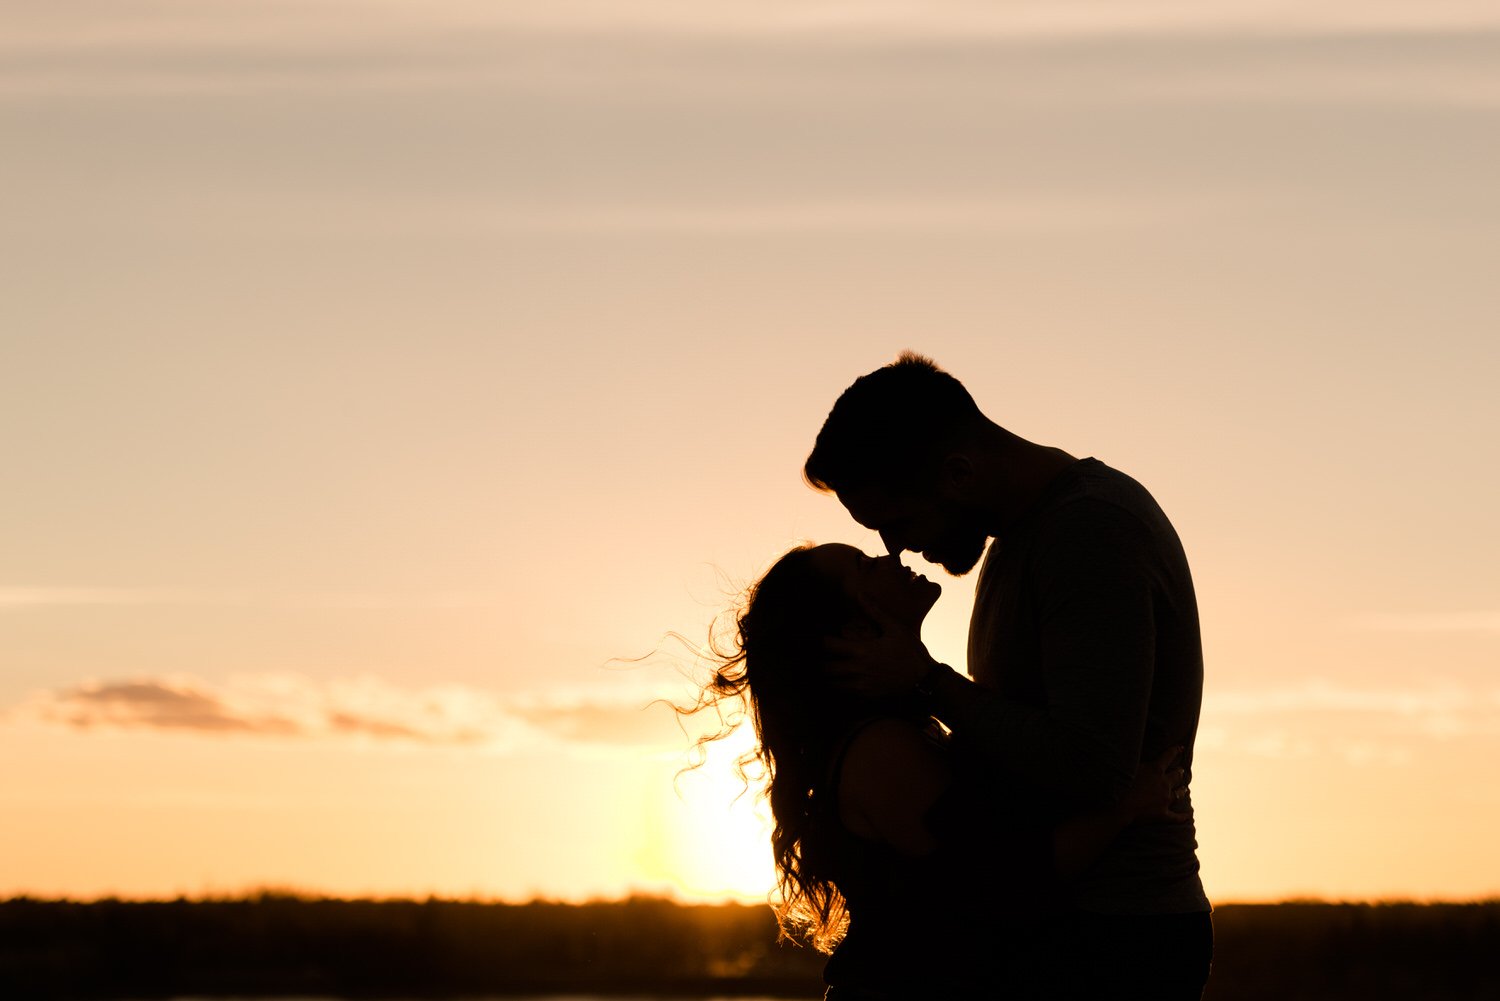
{"x":381,"y":383}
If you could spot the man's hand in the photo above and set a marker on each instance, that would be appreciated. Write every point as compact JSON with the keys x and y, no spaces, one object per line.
{"x":891,"y":662}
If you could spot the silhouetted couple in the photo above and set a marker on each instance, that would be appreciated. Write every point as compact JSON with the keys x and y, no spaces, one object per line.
{"x":1027,"y":833}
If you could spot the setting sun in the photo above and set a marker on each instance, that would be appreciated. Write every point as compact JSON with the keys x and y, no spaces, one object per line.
{"x":716,"y":842}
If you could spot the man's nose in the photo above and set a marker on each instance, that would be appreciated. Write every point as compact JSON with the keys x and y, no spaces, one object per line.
{"x":892,"y":544}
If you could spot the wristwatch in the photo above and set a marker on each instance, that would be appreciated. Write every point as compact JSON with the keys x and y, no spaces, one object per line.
{"x":927,"y":687}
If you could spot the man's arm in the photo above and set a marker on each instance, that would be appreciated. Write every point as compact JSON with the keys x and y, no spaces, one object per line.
{"x":892,"y":789}
{"x":1091,"y":585}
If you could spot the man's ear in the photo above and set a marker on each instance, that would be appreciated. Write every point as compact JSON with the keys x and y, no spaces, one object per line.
{"x":955,"y":480}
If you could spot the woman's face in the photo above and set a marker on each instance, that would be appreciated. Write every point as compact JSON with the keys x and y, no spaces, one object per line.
{"x":881,"y":581}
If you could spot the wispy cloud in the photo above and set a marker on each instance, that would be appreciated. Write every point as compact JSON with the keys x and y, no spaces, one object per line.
{"x":159,"y":705}
{"x":287,"y":706}
{"x":1320,"y":695}
{"x":1384,"y":726}
{"x":49,"y":597}
{"x":21,"y":598}
{"x":1034,"y":214}
{"x":610,"y":49}
{"x":599,"y":722}
{"x":1431,"y":622}
{"x":330,"y":19}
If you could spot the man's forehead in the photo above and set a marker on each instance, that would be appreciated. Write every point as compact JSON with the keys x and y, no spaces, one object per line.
{"x":872,"y":507}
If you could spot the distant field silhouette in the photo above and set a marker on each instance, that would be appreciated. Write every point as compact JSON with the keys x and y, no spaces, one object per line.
{"x":283,"y":945}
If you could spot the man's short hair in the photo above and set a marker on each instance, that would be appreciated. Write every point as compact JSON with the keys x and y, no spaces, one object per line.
{"x":890,"y":428}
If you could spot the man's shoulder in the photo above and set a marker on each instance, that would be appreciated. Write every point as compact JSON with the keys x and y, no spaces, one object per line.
{"x":1095,"y":479}
{"x":1089,"y":490}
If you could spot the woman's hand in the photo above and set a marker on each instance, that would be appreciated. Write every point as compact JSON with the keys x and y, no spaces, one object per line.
{"x":1157,"y":796}
{"x":1159,"y":791}
{"x":891,"y":661}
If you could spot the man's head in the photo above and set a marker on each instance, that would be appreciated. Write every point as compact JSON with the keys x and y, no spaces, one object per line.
{"x":894,"y":450}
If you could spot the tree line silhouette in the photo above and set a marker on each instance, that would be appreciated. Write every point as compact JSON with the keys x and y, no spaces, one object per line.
{"x":283,"y":945}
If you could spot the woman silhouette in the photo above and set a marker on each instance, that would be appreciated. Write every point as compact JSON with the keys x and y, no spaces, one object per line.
{"x":923,"y":876}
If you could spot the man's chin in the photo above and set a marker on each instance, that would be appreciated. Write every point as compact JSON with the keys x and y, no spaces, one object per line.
{"x":959,"y":564}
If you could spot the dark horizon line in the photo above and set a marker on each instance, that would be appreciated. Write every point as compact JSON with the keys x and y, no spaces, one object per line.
{"x":307,"y":896}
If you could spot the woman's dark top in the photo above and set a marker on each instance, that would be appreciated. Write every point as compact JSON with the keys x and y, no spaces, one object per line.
{"x":976,"y":914}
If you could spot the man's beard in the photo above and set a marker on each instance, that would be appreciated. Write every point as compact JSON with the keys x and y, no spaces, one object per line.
{"x":960,"y":554}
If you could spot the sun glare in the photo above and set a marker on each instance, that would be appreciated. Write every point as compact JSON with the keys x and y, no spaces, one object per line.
{"x":715,"y":841}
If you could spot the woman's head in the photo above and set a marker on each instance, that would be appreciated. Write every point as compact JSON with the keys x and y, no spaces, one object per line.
{"x":778,"y":664}
{"x":875,"y":582}
{"x":810,"y":595}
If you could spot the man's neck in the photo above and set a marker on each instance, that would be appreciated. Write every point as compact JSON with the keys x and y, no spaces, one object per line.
{"x":1022,"y":471}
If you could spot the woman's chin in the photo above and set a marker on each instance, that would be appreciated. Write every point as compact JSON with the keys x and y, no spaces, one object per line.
{"x":930,"y":591}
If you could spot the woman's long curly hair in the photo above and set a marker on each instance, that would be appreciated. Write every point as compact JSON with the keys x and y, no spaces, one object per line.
{"x":774,"y":665}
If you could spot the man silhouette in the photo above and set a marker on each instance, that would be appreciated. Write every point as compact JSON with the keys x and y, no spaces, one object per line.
{"x":1084,"y":645}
